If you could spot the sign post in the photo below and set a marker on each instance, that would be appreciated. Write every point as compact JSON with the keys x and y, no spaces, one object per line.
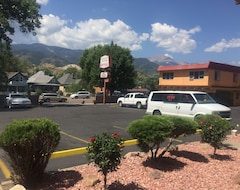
{"x":105,"y":63}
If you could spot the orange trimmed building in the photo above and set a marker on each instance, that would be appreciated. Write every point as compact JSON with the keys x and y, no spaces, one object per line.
{"x":221,"y":81}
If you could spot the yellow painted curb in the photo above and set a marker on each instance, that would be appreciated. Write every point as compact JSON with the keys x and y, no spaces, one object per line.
{"x":5,"y":170}
{"x":198,"y":131}
{"x":130,"y":142}
{"x":70,"y":152}
{"x":83,"y":150}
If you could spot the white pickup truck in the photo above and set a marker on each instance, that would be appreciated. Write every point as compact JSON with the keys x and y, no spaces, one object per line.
{"x":138,"y":100}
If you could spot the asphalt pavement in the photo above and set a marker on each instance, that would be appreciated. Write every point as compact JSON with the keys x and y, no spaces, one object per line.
{"x":71,"y":159}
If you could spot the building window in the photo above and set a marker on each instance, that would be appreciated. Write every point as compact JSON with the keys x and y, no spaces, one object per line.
{"x":168,"y":76}
{"x":235,"y":77}
{"x":17,"y":78}
{"x":196,"y":75}
{"x":217,"y":75}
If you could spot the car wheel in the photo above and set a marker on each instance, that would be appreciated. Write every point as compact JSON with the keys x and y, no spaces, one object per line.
{"x":120,"y":104}
{"x":157,"y":112}
{"x":139,"y":105}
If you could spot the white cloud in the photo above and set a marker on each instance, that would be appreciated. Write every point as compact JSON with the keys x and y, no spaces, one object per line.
{"x":223,"y":45}
{"x":42,"y":2}
{"x":172,"y":38}
{"x":85,"y":34}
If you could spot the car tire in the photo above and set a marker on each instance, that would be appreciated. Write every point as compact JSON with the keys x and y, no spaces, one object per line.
{"x":139,"y":105}
{"x":120,"y":104}
{"x":157,"y":112}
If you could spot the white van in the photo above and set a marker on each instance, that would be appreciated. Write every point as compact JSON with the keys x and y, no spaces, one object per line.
{"x":185,"y":103}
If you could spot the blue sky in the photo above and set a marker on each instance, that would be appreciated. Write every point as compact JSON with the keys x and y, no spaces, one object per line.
{"x":192,"y":31}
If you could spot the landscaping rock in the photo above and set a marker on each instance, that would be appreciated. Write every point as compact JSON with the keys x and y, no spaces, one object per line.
{"x":90,"y":180}
{"x":18,"y":187}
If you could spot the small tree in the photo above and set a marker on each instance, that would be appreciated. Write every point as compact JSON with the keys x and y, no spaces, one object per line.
{"x":151,"y":132}
{"x":181,"y":126}
{"x":29,"y":144}
{"x":214,"y":129}
{"x":105,"y":151}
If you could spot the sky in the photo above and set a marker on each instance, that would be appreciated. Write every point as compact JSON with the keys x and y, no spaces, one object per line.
{"x":192,"y":31}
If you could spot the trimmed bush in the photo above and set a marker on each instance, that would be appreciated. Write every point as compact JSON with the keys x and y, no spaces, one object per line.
{"x":29,"y":144}
{"x":181,"y":126}
{"x":151,"y":131}
{"x":214,"y":129}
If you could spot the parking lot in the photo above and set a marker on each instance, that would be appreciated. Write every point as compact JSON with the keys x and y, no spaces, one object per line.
{"x":79,"y":121}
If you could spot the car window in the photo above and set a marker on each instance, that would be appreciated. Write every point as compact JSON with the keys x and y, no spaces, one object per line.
{"x":18,"y":96}
{"x":172,"y":97}
{"x":204,"y":98}
{"x":83,"y":92}
{"x":140,"y":96}
{"x":187,"y":98}
{"x":157,"y":97}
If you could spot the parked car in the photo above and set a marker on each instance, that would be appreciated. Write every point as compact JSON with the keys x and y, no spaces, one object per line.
{"x":185,"y":103}
{"x":51,"y":97}
{"x":80,"y":94}
{"x":14,"y":100}
{"x":136,"y":99}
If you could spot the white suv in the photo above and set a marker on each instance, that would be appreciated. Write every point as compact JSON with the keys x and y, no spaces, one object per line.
{"x":80,"y":94}
{"x":185,"y":103}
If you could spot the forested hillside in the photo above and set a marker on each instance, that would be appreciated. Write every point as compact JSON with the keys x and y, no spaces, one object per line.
{"x":39,"y":54}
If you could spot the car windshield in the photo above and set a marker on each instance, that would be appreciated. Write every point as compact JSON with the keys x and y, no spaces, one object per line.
{"x":204,"y":98}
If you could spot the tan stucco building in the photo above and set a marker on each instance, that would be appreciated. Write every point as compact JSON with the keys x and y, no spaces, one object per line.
{"x":222,"y":81}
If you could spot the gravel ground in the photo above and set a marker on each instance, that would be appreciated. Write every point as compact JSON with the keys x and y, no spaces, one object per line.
{"x":192,"y":167}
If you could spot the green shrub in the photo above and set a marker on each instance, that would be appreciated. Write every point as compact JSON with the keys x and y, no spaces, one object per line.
{"x":151,"y":131}
{"x":105,"y":151}
{"x":29,"y":144}
{"x":181,"y":126}
{"x":38,"y":91}
{"x":214,"y":129}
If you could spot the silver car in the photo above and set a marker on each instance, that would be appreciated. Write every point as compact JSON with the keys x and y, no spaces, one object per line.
{"x":51,"y":97}
{"x":14,"y":100}
{"x":80,"y":94}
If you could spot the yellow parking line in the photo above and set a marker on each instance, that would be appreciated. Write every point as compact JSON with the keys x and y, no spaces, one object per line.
{"x":118,"y":127}
{"x":77,"y":138}
{"x":5,"y":170}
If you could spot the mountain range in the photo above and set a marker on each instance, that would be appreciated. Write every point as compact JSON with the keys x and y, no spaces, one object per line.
{"x":38,"y":54}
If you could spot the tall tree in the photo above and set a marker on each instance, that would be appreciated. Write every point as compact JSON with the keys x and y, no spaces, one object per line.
{"x":15,"y":13}
{"x":122,"y":71}
{"x":21,"y":13}
{"x":145,"y":81}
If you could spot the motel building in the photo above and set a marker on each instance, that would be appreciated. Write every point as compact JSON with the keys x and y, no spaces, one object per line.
{"x":221,"y":81}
